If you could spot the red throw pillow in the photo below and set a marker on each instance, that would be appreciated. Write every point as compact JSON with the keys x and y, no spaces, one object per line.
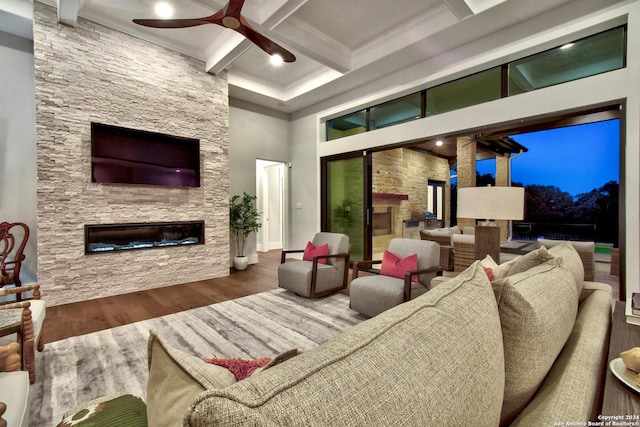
{"x":489,"y":274}
{"x":312,"y":250}
{"x":394,"y":266}
{"x":241,"y":368}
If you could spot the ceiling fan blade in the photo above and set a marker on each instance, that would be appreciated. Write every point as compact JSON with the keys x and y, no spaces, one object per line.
{"x":269,"y":46}
{"x":233,"y":8}
{"x":171,"y":23}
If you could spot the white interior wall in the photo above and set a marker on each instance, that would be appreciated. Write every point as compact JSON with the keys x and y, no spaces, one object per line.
{"x":254,"y":133}
{"x":18,"y":142}
{"x":308,"y":144}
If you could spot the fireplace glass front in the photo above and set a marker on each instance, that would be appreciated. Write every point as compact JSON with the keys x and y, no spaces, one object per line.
{"x":118,"y":237}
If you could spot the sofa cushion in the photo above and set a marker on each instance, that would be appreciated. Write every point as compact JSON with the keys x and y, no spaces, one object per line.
{"x":175,"y":379}
{"x":434,"y":358}
{"x":571,"y":261}
{"x":537,"y":312}
{"x":529,"y":260}
{"x":571,"y":390}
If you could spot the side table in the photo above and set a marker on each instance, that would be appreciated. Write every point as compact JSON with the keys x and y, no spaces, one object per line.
{"x":619,"y":399}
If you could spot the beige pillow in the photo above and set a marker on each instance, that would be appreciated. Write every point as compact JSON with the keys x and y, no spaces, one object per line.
{"x":537,"y":311}
{"x":488,"y":262}
{"x":175,"y":379}
{"x":504,"y":269}
{"x":532,"y":259}
{"x":571,"y":261}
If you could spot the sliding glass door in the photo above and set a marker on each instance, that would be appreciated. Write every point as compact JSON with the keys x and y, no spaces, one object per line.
{"x":346,"y":198}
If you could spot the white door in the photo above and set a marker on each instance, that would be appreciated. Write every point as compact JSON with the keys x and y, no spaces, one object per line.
{"x":270,"y":188}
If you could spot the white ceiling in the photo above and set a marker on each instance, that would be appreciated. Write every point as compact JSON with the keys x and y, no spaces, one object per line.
{"x":339,"y":44}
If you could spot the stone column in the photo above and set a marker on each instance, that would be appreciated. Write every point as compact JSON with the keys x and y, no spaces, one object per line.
{"x":466,"y":171}
{"x":502,"y":180}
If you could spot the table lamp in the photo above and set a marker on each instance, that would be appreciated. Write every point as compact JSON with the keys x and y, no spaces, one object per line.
{"x":490,"y":204}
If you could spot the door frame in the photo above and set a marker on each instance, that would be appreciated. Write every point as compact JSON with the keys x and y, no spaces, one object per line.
{"x":263,"y":243}
{"x":367,"y":194}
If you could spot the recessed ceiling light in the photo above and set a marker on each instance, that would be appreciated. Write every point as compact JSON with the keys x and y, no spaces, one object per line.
{"x":164,"y":9}
{"x":566,"y":46}
{"x":276,"y":60}
{"x":439,"y":143}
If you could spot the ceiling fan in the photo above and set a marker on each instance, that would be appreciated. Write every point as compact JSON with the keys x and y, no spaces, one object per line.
{"x":228,"y":17}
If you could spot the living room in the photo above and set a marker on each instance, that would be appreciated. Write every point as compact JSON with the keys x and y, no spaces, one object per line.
{"x":64,"y":86}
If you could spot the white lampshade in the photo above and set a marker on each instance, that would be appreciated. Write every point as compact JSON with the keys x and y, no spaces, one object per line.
{"x":491,"y":203}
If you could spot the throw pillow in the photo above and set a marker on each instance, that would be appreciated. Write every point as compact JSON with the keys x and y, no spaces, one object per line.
{"x":537,"y":311}
{"x":488,"y":262}
{"x":312,"y":250}
{"x":175,"y":379}
{"x":394,"y":266}
{"x":124,"y":410}
{"x":489,"y":273}
{"x":503,"y":270}
{"x":278,"y":360}
{"x":240,"y":368}
{"x":530,"y":260}
{"x":571,"y":261}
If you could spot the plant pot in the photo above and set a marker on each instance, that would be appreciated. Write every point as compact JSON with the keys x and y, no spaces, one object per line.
{"x":240,"y":262}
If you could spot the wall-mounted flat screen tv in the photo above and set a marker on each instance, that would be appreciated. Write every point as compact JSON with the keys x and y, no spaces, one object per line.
{"x":130,"y":156}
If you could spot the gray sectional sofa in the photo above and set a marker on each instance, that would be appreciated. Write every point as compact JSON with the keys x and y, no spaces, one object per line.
{"x":528,"y":349}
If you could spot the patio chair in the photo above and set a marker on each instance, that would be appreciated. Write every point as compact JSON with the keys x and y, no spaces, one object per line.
{"x":464,"y":249}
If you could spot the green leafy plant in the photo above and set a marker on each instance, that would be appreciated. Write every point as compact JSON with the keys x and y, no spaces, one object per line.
{"x":244,"y":219}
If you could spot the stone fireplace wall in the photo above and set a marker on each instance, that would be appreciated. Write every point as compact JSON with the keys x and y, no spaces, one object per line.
{"x":405,"y":172}
{"x":93,"y":73}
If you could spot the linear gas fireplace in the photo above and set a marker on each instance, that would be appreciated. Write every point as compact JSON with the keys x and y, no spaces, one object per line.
{"x":99,"y":238}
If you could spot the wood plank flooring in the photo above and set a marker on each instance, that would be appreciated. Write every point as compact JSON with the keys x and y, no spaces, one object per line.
{"x":80,"y":318}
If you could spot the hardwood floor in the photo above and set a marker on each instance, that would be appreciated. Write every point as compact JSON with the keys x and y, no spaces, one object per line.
{"x":80,"y":318}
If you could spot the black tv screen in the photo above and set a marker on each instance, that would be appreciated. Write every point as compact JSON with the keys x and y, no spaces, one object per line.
{"x":130,"y":156}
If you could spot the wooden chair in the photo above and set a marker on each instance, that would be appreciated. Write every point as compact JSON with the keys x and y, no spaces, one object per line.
{"x":9,"y":362}
{"x":33,"y":315}
{"x":13,"y":239}
{"x":14,"y":388}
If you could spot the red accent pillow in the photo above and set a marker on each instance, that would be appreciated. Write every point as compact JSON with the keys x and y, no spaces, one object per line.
{"x":394,"y":266}
{"x":489,"y":274}
{"x":312,"y":250}
{"x":241,"y":368}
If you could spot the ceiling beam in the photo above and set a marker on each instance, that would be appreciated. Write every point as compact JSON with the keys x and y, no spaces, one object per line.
{"x":68,"y":11}
{"x":315,"y":44}
{"x":225,"y":49}
{"x":459,"y":8}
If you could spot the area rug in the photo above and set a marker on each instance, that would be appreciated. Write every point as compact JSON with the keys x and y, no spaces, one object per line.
{"x":78,"y":369}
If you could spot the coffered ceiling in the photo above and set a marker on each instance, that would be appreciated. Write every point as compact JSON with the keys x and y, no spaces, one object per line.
{"x":339,"y":44}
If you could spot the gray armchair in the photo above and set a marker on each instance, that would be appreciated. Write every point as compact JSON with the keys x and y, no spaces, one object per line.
{"x":373,"y":294}
{"x":313,"y":279}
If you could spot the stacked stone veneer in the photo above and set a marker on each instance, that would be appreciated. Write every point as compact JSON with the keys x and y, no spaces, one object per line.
{"x":405,"y":171}
{"x":93,"y":73}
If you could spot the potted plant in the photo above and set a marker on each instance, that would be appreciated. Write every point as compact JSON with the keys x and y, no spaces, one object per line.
{"x":244,"y":219}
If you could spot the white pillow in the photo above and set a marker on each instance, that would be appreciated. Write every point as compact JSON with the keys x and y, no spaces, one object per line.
{"x":488,"y":262}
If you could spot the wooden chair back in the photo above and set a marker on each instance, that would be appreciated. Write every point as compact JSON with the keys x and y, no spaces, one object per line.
{"x":13,"y":240}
